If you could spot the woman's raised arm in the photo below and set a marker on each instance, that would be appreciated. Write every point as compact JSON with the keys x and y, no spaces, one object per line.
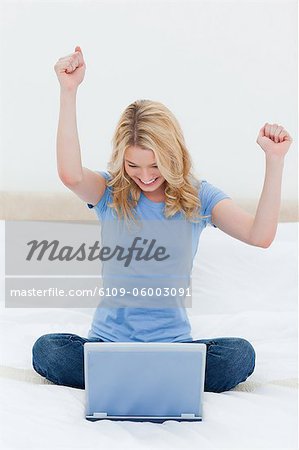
{"x":85,"y":183}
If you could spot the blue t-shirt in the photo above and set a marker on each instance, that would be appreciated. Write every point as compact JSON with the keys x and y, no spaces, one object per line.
{"x":146,"y":324}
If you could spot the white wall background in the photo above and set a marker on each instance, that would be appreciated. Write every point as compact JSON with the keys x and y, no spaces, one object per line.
{"x":223,"y":67}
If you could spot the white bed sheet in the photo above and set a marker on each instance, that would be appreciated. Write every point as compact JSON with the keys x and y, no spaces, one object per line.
{"x":253,"y":295}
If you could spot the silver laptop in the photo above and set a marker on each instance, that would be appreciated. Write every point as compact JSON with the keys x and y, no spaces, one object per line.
{"x":144,"y":381}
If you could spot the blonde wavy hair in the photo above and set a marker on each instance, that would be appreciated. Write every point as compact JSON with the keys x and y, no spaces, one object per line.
{"x":151,"y":125}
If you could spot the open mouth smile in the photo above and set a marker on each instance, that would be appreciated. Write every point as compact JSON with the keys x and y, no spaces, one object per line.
{"x":148,"y":183}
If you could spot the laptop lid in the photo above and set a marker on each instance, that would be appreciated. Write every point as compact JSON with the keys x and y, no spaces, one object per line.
{"x":144,"y":380}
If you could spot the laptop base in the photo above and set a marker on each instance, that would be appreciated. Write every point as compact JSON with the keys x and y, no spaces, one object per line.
{"x":145,"y":418}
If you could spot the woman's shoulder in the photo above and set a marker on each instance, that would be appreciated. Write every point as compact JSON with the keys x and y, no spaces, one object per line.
{"x":107,"y":175}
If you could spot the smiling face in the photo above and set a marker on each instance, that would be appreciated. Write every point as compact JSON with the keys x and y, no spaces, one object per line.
{"x":140,"y":165}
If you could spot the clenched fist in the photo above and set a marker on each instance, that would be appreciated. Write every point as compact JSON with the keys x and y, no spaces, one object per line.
{"x":70,"y":70}
{"x":274,"y":140}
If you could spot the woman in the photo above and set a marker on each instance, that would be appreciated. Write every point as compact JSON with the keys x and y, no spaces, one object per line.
{"x":150,"y":174}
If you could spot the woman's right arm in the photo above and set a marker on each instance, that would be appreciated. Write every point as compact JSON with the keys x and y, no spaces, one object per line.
{"x":85,"y":183}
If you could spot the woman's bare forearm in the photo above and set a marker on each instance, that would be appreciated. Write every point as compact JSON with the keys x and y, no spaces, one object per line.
{"x":69,"y":163}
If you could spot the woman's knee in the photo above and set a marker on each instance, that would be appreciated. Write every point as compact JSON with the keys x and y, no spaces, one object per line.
{"x":43,"y":347}
{"x":230,"y":361}
{"x":242,"y":359}
{"x":59,"y":358}
{"x":247,"y":355}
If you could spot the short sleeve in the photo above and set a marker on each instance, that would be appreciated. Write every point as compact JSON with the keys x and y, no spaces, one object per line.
{"x":101,"y":207}
{"x":209,"y":196}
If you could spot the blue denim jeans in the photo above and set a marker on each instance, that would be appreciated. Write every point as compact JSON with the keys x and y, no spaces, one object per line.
{"x":59,"y":357}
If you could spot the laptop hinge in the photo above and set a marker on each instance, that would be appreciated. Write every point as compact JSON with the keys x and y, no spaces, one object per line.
{"x":98,"y":415}
{"x":187,"y":415}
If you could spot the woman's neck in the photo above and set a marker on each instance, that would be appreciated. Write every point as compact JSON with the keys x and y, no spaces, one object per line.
{"x":156,"y":196}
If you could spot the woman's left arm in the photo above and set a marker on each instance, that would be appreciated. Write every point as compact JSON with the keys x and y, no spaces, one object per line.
{"x":259,"y":230}
{"x":275,"y":141}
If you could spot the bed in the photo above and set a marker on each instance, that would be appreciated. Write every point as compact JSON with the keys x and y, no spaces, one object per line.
{"x":238,"y":290}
